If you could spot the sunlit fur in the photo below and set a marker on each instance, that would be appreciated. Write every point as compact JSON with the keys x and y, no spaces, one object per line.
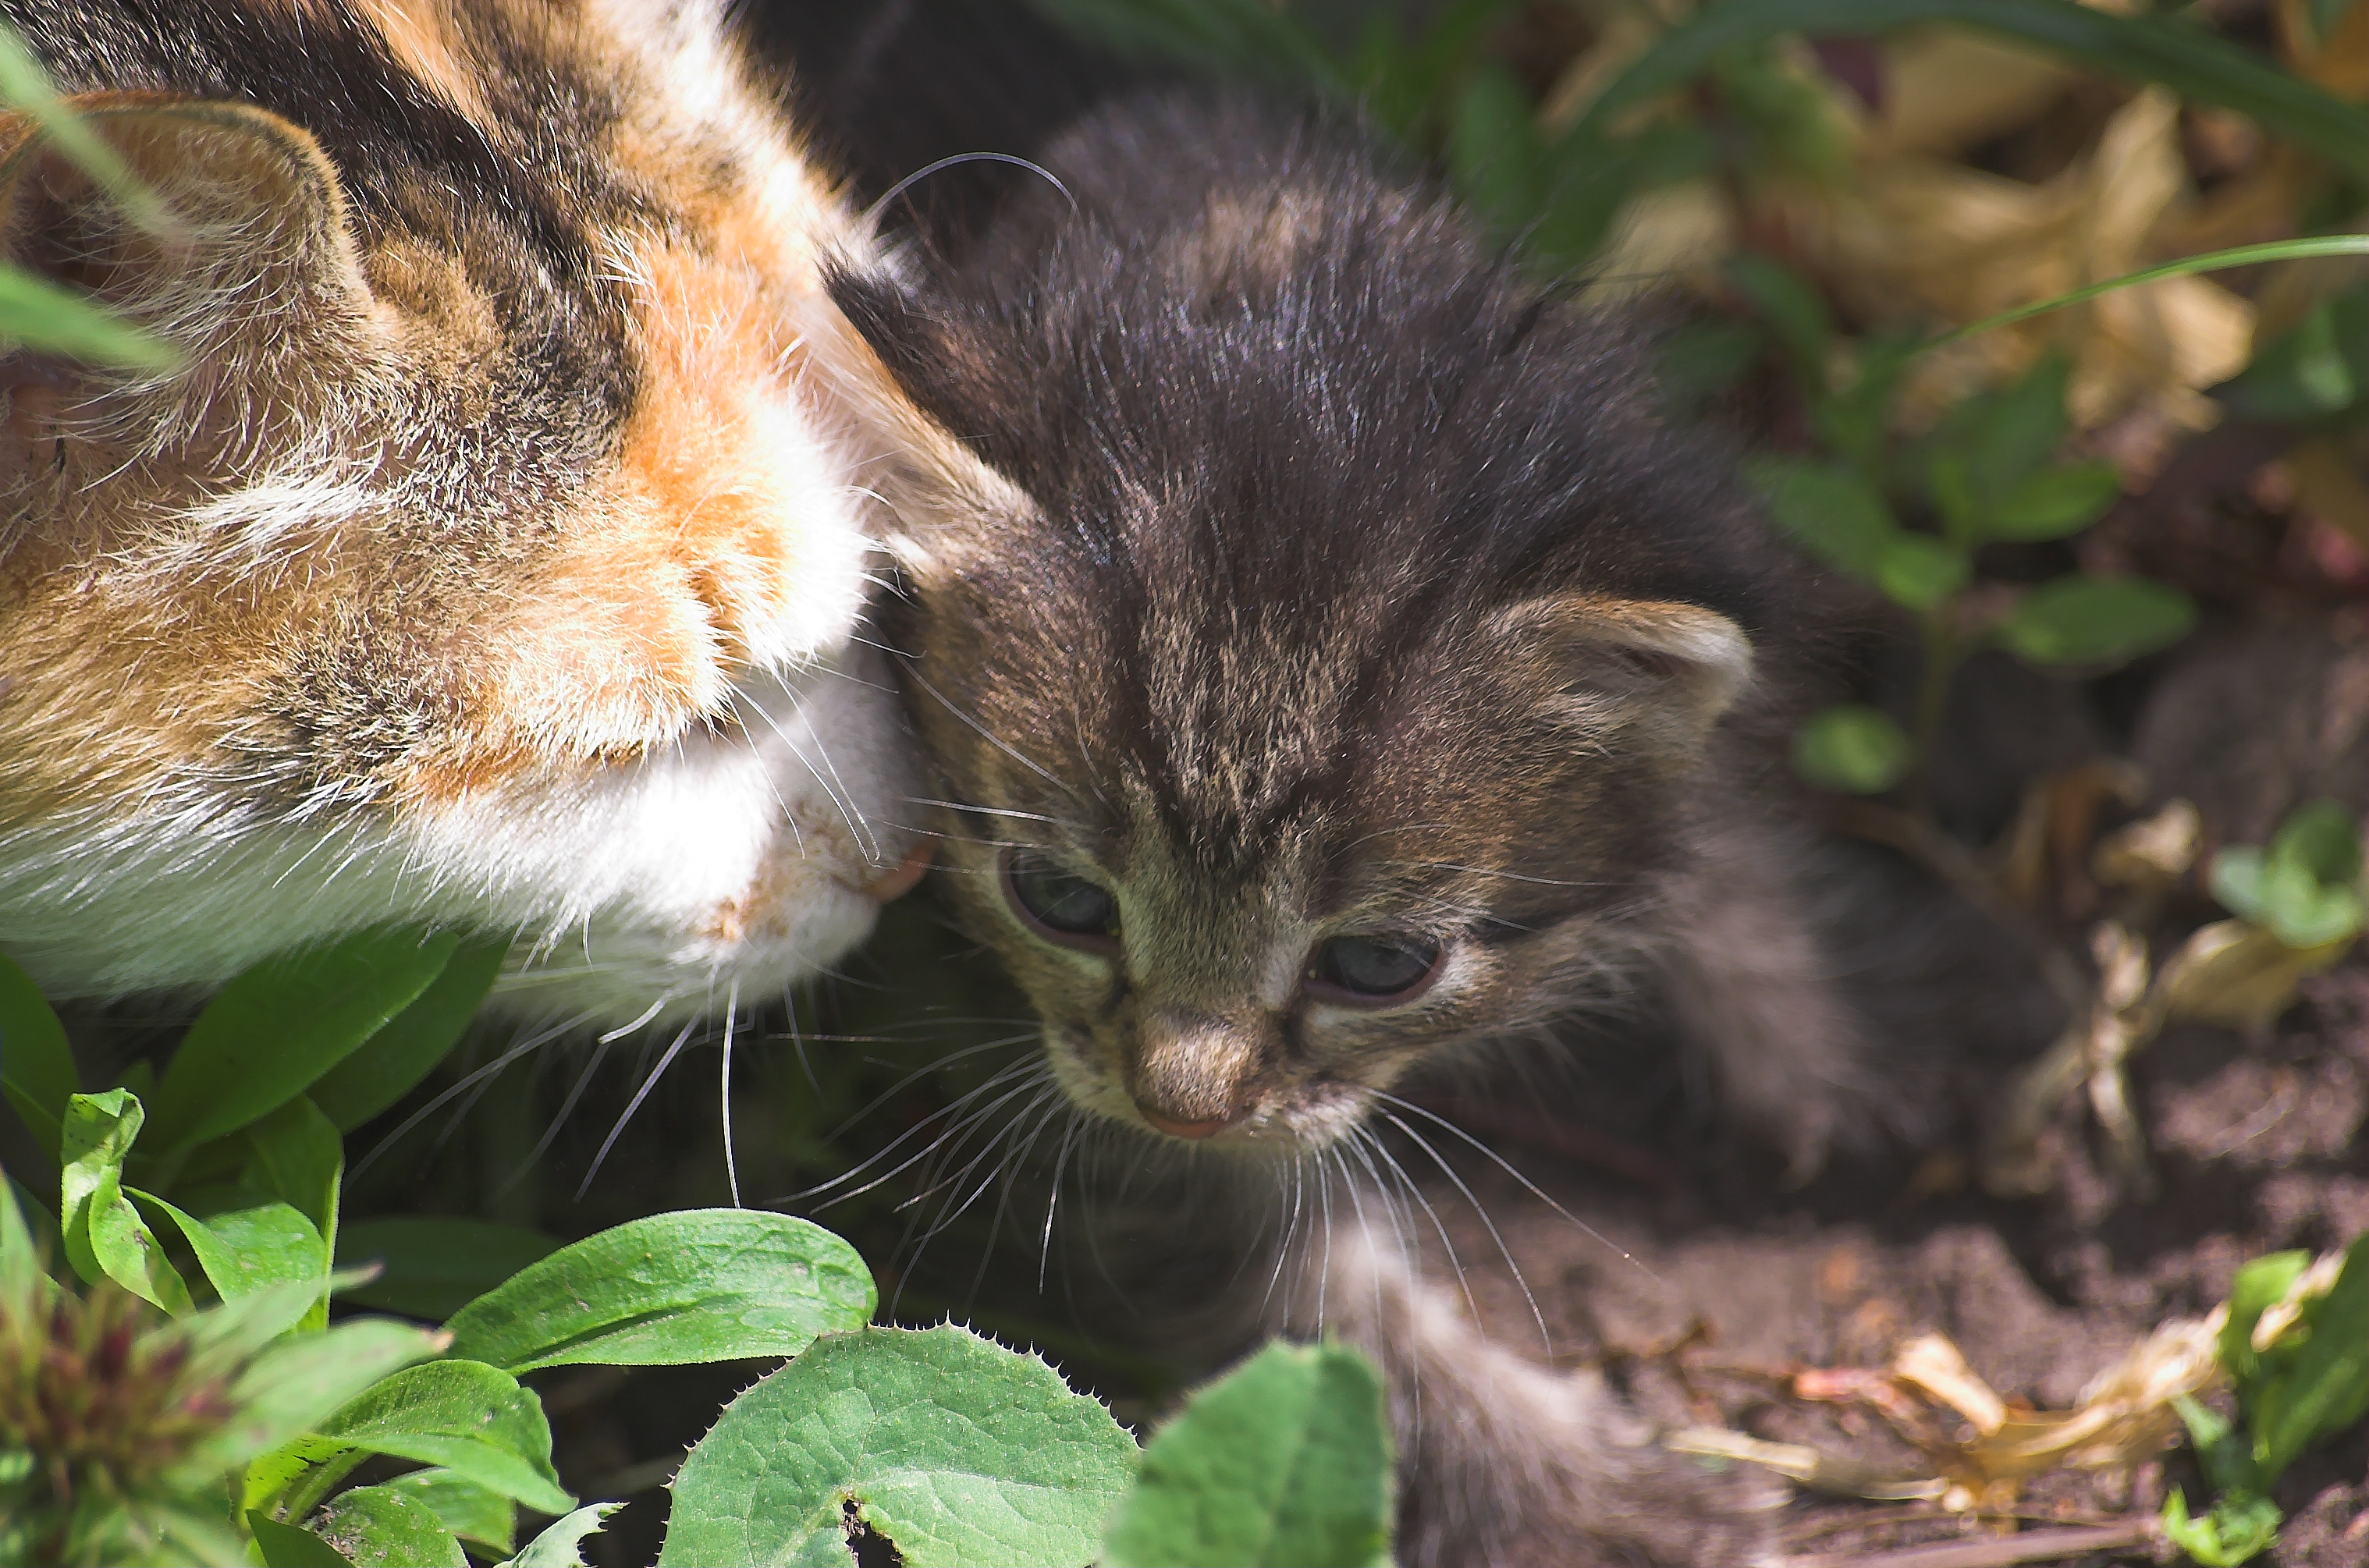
{"x":495,"y":557}
{"x":1345,"y":583}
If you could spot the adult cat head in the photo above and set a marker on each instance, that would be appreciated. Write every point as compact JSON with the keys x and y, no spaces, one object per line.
{"x":1328,"y":688}
{"x":494,"y":554}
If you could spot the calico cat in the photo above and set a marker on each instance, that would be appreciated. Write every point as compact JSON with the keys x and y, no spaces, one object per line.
{"x":496,"y":555}
{"x":1355,"y":675}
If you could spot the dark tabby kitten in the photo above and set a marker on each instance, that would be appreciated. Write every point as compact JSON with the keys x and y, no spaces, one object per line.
{"x":1357,"y":673}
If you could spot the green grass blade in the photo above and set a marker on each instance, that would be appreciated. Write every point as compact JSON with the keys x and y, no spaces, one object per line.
{"x":2180,"y":55}
{"x":51,"y":319}
{"x":2209,"y":261}
{"x":25,"y":87}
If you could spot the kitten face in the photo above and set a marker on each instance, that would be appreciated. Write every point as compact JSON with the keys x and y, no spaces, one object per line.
{"x":1324,"y":689}
{"x":493,"y":556}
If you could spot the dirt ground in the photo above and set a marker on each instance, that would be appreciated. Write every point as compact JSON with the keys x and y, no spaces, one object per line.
{"x":2256,"y":1148}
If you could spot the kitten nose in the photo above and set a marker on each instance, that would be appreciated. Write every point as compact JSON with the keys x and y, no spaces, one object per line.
{"x":1194,"y":1131}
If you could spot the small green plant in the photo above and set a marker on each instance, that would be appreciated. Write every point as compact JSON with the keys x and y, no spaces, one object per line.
{"x":2294,"y":1344}
{"x":2305,"y":888}
{"x":189,"y":1401}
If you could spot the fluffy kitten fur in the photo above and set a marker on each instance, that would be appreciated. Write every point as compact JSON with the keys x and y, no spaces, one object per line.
{"x":496,"y":555}
{"x":1348,"y":586}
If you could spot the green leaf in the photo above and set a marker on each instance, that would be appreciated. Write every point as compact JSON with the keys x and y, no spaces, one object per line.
{"x":290,"y":1546}
{"x":701,"y":1284}
{"x":2241,"y":1526}
{"x":1833,"y":512}
{"x":2281,"y":893}
{"x":1491,"y":150}
{"x":275,"y":1029}
{"x":467,"y":1509}
{"x":1918,"y":572}
{"x":470,"y":1418}
{"x":24,"y":85}
{"x":2227,"y":1460}
{"x":296,"y":1382}
{"x":434,"y":1267}
{"x":297,"y":1152}
{"x":1791,"y":310}
{"x":556,"y":1547}
{"x":383,"y":1527}
{"x":2192,"y":63}
{"x":2258,"y":1285}
{"x":253,"y":1248}
{"x":2083,"y":620}
{"x":954,"y":1450}
{"x":2302,"y":375}
{"x":103,"y":1232}
{"x":50,"y":318}
{"x":2013,"y":431}
{"x":37,"y":1066}
{"x":410,"y":1045}
{"x":1852,"y":749}
{"x":2326,"y":15}
{"x":1699,"y":360}
{"x":1286,"y":1462}
{"x":2054,"y":502}
{"x":2324,"y":839}
{"x":26,"y":1286}
{"x":2324,"y":1389}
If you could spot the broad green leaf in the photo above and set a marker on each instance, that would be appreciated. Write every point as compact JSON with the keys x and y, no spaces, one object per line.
{"x":2226,"y":1459}
{"x":434,"y":1267}
{"x":382,"y":1527}
{"x":2054,"y":502}
{"x":1852,"y":749}
{"x":467,"y":1509}
{"x":36,"y":1068}
{"x":103,"y":1232}
{"x":470,"y":1418}
{"x":2259,"y":1285}
{"x":275,"y":1029}
{"x":953,"y":1448}
{"x":252,"y":1248}
{"x":1286,"y":1462}
{"x":297,"y":1382}
{"x":2191,"y":62}
{"x":1833,"y":512}
{"x":2241,"y":1526}
{"x":410,"y":1045}
{"x":292,"y":1546}
{"x":2083,"y":620}
{"x":559,"y":1544}
{"x":701,"y":1284}
{"x":1917,"y":572}
{"x":2323,"y":1388}
{"x":2283,"y":895}
{"x":298,"y":1153}
{"x":50,"y":318}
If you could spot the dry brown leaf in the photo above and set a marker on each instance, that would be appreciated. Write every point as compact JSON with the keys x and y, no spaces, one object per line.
{"x":2237,"y":974}
{"x":2152,"y":853}
{"x":1932,"y":1365}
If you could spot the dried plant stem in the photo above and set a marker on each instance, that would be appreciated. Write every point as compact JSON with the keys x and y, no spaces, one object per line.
{"x":2002,"y":1551}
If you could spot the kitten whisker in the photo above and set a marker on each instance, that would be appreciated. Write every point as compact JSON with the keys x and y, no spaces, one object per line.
{"x":1546,"y":1340}
{"x":1528,"y":1184}
{"x":989,"y":737}
{"x":1408,"y":1185}
{"x":533,"y":1042}
{"x":724,"y":1093}
{"x":617,"y":1129}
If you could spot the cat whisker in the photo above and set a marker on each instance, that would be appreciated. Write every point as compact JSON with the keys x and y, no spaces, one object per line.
{"x":485,"y":1074}
{"x":1407,"y":1184}
{"x":991,"y":737}
{"x":1528,"y":1184}
{"x":723,"y":1094}
{"x":617,"y":1129}
{"x":1546,"y":1340}
{"x":957,"y":1109}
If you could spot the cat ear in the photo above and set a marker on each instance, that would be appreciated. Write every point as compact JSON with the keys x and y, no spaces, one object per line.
{"x":250,"y":256}
{"x":1661,"y":668}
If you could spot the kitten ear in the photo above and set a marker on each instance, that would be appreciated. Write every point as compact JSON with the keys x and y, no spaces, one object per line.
{"x":1664,"y":668}
{"x":252,"y":250}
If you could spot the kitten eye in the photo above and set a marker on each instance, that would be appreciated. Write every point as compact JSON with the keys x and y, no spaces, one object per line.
{"x":1065,"y":907}
{"x":1377,"y":969}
